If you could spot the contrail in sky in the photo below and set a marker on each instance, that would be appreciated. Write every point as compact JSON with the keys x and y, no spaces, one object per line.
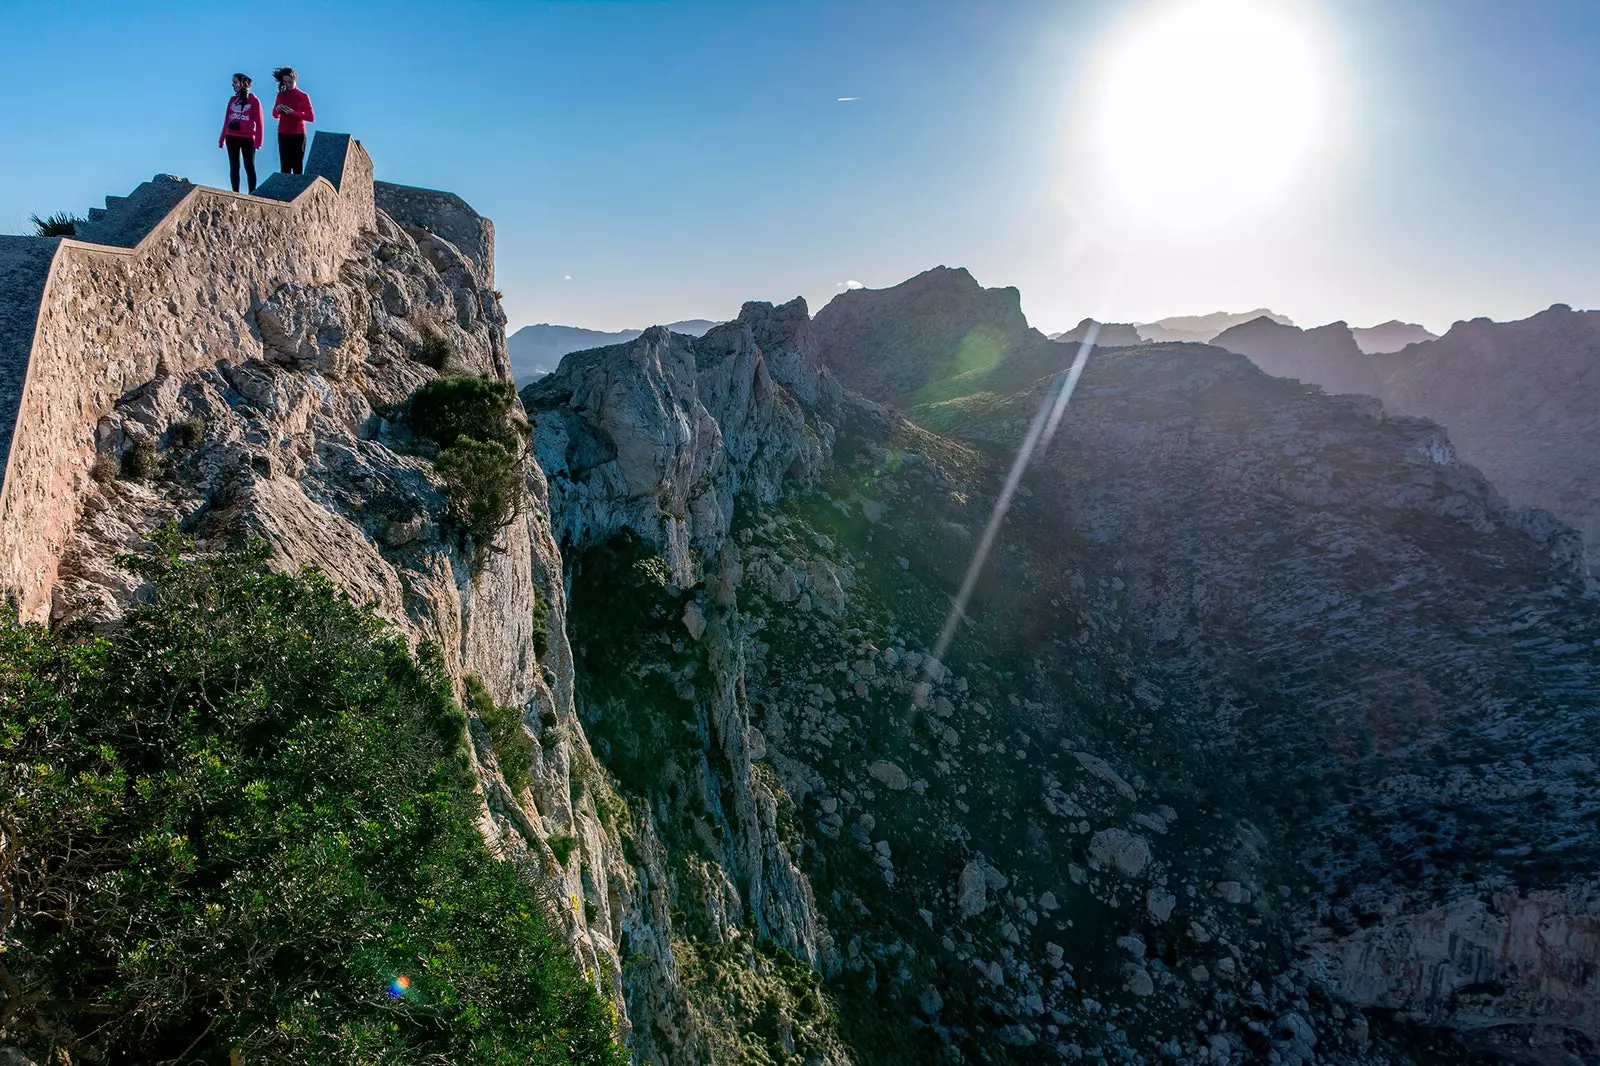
{"x":847,"y":99}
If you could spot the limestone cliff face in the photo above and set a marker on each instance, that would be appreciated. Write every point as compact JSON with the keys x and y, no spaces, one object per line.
{"x":281,"y":422}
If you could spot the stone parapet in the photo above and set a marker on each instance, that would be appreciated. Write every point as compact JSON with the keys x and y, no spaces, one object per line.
{"x":83,"y":323}
{"x":445,"y":214}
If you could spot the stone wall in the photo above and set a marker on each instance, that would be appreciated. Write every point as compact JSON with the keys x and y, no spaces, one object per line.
{"x":110,"y":319}
{"x":445,"y":214}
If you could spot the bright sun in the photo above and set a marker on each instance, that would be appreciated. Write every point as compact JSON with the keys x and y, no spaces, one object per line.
{"x":1206,"y":111}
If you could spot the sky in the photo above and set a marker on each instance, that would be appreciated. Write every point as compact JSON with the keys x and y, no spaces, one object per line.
{"x":648,"y":162}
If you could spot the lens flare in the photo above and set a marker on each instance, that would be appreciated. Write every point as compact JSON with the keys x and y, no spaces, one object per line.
{"x":399,"y":987}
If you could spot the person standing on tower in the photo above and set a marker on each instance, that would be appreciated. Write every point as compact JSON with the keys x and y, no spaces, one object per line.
{"x":241,"y":131}
{"x":293,"y":110}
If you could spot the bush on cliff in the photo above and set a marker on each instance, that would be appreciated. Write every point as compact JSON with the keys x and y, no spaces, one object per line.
{"x":480,"y":450}
{"x":483,"y":484}
{"x":241,"y":829}
{"x":449,"y":408}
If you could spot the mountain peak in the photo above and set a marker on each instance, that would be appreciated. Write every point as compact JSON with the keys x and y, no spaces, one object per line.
{"x":919,"y":331}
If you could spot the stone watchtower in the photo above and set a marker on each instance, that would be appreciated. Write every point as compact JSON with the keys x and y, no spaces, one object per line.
{"x":164,"y":280}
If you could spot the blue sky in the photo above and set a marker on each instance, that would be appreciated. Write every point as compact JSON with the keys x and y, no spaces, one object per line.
{"x":676,"y":159}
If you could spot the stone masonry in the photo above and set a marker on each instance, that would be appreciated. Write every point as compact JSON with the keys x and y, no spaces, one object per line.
{"x":165,"y":281}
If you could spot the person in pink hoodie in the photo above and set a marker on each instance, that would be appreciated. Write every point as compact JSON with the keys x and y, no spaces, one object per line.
{"x":242,"y":128}
{"x":293,"y":110}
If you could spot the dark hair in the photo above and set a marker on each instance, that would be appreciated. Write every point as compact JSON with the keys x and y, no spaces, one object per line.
{"x":244,"y":93}
{"x":282,"y":72}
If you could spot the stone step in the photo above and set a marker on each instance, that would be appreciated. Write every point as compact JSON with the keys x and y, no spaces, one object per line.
{"x":126,"y":219}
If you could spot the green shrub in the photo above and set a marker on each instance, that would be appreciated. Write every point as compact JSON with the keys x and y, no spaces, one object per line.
{"x":483,"y":486}
{"x":563,"y":845}
{"x":233,"y":827}
{"x":480,"y":443}
{"x":449,"y":408}
{"x":140,"y":462}
{"x":59,"y":224}
{"x":506,"y":736}
{"x":541,"y":625}
{"x":434,"y":350}
{"x":105,"y":469}
{"x":188,"y":432}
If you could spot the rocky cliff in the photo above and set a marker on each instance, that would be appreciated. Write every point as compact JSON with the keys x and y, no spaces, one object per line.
{"x":1267,"y":734}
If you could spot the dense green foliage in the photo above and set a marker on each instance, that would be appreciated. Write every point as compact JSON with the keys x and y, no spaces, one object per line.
{"x":242,"y":828}
{"x":483,"y":484}
{"x":480,"y":450}
{"x":59,"y":224}
{"x":449,"y":408}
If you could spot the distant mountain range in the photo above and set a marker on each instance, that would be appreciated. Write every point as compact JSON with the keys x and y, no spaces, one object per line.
{"x":1203,"y":328}
{"x":536,"y":350}
{"x":1521,"y":400}
{"x":1388,"y":336}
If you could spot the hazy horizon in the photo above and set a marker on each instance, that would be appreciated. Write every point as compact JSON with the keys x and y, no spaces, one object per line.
{"x":655,"y":162}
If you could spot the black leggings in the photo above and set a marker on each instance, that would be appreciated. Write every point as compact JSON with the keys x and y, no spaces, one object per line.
{"x":292,"y":153}
{"x":242,"y":146}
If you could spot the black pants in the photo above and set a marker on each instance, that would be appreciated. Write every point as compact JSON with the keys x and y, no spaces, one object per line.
{"x":246,"y":147}
{"x":292,"y":153}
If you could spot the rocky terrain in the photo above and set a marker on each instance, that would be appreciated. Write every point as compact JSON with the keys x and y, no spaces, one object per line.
{"x":1520,"y":400}
{"x":1108,"y":335}
{"x":1267,"y":735}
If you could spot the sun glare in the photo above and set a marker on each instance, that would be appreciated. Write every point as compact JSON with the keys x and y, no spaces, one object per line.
{"x":1206,"y":111}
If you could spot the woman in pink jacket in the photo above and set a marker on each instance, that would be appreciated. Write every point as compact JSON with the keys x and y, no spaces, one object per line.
{"x":293,"y":110}
{"x":242,"y":129}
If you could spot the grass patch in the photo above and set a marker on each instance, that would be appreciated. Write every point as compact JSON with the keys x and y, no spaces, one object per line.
{"x":434,"y":351}
{"x":140,"y":462}
{"x":563,"y":844}
{"x":507,"y":739}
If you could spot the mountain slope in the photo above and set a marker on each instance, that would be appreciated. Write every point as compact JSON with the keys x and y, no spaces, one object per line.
{"x":1245,"y":703}
{"x":1521,"y":400}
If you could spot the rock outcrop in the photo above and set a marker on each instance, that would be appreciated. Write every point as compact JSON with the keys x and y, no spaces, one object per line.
{"x":1107,"y":335}
{"x":888,"y":344}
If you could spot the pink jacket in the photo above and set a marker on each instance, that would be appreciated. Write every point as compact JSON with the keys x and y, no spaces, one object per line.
{"x":300,"y":112}
{"x":242,"y":120}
